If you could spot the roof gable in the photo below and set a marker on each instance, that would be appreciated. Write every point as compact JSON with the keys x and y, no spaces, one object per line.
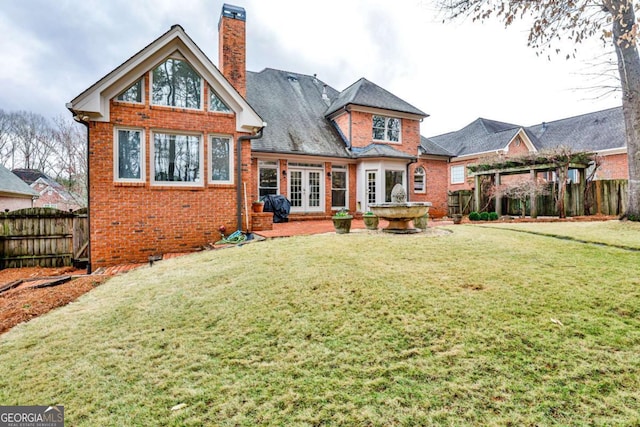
{"x":366,"y":94}
{"x":94,"y":102}
{"x":293,"y":104}
{"x":11,"y":184}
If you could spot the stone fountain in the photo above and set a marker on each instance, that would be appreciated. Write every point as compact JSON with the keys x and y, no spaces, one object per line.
{"x":399,"y":212}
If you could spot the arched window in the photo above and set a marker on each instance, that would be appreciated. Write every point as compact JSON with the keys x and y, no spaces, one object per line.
{"x":419,"y":180}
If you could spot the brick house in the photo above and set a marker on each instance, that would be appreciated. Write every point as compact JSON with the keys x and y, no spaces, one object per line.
{"x":52,"y":193}
{"x":602,"y":132}
{"x":179,"y":147}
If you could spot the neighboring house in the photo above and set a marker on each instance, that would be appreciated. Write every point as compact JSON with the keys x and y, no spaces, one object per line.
{"x":52,"y":193}
{"x":14,"y":193}
{"x":601,"y":132}
{"x":178,"y":148}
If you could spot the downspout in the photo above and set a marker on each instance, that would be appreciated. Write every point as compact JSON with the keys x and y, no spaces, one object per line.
{"x":82,"y":120}
{"x":241,"y":139}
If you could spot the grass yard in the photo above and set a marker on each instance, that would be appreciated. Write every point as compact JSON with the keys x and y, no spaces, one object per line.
{"x":480,"y":327}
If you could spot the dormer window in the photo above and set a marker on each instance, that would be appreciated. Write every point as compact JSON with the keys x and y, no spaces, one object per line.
{"x":176,"y":84}
{"x":386,"y":129}
{"x":216,"y":104}
{"x":132,"y":94}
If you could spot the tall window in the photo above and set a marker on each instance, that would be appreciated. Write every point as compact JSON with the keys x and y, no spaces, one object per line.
{"x":338,"y":186}
{"x":386,"y":129}
{"x":419,"y":181}
{"x":391,"y":178}
{"x":268,"y":178}
{"x":176,"y":84}
{"x":215,"y":103}
{"x":176,"y":158}
{"x":129,"y":154}
{"x":221,"y":159}
{"x":457,"y":174}
{"x":133,"y":93}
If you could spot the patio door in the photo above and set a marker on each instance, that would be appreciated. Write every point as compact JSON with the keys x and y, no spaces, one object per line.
{"x":305,"y":190}
{"x":371,"y":188}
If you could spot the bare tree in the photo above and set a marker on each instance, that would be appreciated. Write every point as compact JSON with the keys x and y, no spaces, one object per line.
{"x":32,"y":140}
{"x":69,"y":163}
{"x":522,"y":189}
{"x":6,"y":148}
{"x":577,"y":20}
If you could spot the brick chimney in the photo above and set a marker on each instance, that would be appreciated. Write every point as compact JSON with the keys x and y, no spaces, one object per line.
{"x":232,"y":46}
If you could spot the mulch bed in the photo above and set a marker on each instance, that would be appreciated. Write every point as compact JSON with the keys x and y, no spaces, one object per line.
{"x":25,"y":302}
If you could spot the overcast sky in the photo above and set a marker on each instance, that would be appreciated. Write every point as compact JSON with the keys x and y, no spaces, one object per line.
{"x":455,"y":72}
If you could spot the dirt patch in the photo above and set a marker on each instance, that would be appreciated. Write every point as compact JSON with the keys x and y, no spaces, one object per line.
{"x":22,"y":304}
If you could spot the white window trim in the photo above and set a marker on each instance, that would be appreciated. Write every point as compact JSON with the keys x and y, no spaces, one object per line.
{"x":424,"y":180}
{"x":345,"y":169}
{"x":198,"y":183}
{"x":276,"y":167}
{"x":457,"y":167}
{"x":172,"y":106}
{"x":385,"y":140}
{"x":116,"y":155}
{"x":141,"y":79}
{"x":231,"y":159}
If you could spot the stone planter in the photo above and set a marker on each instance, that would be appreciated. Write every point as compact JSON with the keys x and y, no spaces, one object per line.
{"x":257,"y":207}
{"x":342,"y":224}
{"x":421,"y":222}
{"x":457,"y":218}
{"x":371,"y":222}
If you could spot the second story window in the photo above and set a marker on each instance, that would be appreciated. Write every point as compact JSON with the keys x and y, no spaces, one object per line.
{"x":176,"y":84}
{"x":386,"y":129}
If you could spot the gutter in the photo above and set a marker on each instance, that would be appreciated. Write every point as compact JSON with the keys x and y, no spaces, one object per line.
{"x":242,"y":138}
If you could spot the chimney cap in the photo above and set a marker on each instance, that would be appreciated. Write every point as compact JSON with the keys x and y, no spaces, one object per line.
{"x":234,"y":12}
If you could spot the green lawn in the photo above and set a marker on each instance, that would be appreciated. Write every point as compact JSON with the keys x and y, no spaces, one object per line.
{"x":479,"y":327}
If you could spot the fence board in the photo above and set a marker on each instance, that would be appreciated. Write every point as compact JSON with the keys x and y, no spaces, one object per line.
{"x":40,"y":237}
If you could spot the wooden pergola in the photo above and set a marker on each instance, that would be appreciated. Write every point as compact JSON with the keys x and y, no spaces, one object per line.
{"x":532,"y":170}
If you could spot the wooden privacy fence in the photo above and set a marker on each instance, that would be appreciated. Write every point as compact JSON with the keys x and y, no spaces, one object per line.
{"x":607,"y":197}
{"x":43,"y":237}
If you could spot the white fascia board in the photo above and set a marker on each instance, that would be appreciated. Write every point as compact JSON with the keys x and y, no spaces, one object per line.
{"x":95,"y":101}
{"x":612,"y":151}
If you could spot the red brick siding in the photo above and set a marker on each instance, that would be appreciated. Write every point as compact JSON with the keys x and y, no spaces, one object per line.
{"x":436,"y":183}
{"x":130,"y":221}
{"x":613,"y":167}
{"x":232,"y":52}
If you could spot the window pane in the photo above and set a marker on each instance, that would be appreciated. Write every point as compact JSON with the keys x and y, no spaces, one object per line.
{"x":393,"y":129}
{"x":215,"y":103}
{"x":338,"y":189}
{"x":133,"y":94}
{"x":176,"y":84}
{"x":129,"y":154}
{"x":391,"y":178}
{"x":457,"y":174}
{"x":418,"y":180}
{"x":176,"y":157}
{"x":378,"y":134}
{"x":268,"y":183}
{"x":220,"y":159}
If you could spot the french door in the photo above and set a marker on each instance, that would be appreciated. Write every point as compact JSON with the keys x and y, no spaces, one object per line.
{"x":371,"y":188}
{"x":305,"y":190}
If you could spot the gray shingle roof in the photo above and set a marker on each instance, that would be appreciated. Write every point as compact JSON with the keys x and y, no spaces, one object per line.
{"x":379,"y":150}
{"x":367,"y":94}
{"x":600,"y":130}
{"x":430,"y":147}
{"x":10,"y":183}
{"x":480,"y":136}
{"x":292,"y":105}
